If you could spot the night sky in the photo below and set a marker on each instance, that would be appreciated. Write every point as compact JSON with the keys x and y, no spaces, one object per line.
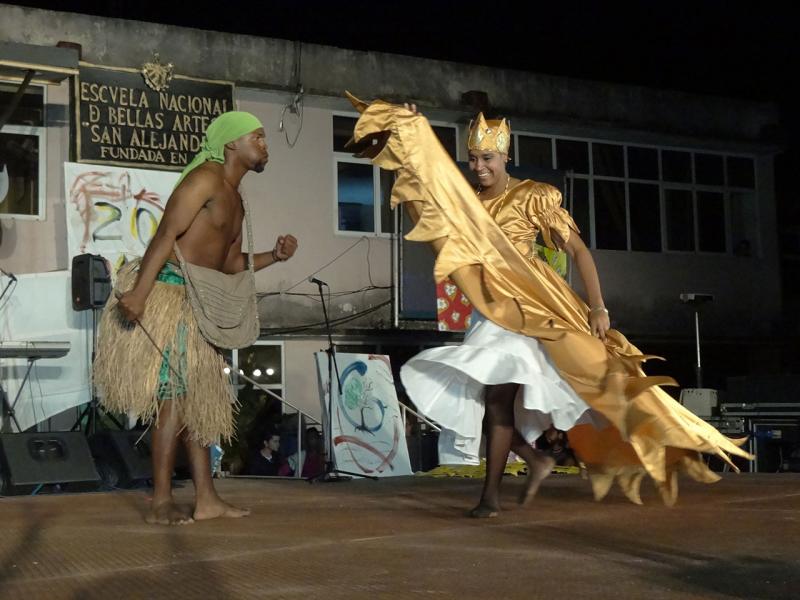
{"x":745,"y":50}
{"x":716,"y":47}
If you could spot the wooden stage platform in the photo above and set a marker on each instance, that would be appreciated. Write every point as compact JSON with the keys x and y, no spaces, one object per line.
{"x":408,"y":538}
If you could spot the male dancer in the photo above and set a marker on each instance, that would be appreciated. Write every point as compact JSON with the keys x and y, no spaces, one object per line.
{"x":184,"y":391}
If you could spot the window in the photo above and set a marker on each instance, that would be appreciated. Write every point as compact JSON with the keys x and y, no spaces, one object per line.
{"x":448,"y":137}
{"x":680,"y":219}
{"x":580,"y":207}
{"x":647,"y":199}
{"x":534,"y":151}
{"x":261,"y":362}
{"x":708,"y":169}
{"x":744,"y":223}
{"x":741,"y":172}
{"x":259,"y":412}
{"x":676,"y":166}
{"x":650,"y":199}
{"x":642,"y":163}
{"x":355,"y":193}
{"x":363,"y":191}
{"x":572,"y":155}
{"x":22,"y":155}
{"x":645,"y":215}
{"x":608,"y":159}
{"x":609,"y":215}
{"x":711,"y":221}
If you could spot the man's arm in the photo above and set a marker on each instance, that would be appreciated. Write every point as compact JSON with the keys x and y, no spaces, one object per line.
{"x":285,"y":247}
{"x":183,"y":206}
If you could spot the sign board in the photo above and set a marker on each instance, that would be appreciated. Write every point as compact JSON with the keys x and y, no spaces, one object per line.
{"x":144,"y":118}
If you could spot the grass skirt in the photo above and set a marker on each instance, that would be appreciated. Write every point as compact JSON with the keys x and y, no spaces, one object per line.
{"x":128,"y":366}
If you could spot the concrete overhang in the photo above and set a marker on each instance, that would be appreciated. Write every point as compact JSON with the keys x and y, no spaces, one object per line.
{"x":50,"y":64}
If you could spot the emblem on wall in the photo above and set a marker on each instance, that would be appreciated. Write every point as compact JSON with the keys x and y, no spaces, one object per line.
{"x":157,"y":75}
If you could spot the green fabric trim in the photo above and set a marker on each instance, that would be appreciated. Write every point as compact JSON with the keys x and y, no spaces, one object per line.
{"x":170,"y":384}
{"x":171,"y":274}
{"x":226,"y":128}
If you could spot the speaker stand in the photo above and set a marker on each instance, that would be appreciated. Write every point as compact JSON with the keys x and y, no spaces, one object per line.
{"x":92,"y":411}
{"x":8,"y":409}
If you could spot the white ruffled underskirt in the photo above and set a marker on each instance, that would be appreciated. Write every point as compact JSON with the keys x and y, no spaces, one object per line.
{"x":446,"y":384}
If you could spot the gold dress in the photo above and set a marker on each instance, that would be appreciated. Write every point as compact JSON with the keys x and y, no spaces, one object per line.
{"x":643,"y":430}
{"x":446,"y":383}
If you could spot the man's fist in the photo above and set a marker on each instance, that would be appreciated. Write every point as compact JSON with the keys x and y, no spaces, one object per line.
{"x":131,"y":305}
{"x":285,"y":247}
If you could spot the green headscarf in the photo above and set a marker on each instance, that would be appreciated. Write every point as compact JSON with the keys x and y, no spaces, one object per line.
{"x":226,"y":128}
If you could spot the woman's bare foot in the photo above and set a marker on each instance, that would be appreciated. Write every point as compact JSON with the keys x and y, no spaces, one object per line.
{"x":216,"y":508}
{"x":168,"y":513}
{"x":484,"y":511}
{"x":537,"y":473}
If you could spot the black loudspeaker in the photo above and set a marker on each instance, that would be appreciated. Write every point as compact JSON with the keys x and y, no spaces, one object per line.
{"x":31,"y":459}
{"x":91,"y":282}
{"x":423,"y":449}
{"x":122,"y":462}
{"x":777,"y":444}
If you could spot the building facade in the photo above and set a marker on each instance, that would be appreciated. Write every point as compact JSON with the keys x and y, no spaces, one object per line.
{"x":673,"y":192}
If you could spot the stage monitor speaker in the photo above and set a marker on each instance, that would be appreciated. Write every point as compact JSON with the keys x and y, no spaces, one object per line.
{"x":31,"y":459}
{"x":91,"y":282}
{"x":776,"y":444}
{"x":701,"y":401}
{"x":122,"y":462}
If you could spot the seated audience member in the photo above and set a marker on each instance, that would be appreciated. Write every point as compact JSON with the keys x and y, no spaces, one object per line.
{"x":312,"y":458}
{"x":266,"y":460}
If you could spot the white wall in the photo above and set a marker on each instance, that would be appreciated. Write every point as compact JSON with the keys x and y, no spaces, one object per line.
{"x":301,"y":387}
{"x":295,"y":194}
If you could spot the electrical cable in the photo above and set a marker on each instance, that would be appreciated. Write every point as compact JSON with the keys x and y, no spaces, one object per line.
{"x":339,"y":321}
{"x":326,"y":265}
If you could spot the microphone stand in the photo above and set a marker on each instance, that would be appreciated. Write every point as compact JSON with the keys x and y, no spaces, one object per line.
{"x":330,"y":473}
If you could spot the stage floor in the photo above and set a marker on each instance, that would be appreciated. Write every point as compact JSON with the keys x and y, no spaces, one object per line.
{"x":407,"y":537}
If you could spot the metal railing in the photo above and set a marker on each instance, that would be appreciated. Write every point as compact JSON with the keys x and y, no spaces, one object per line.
{"x":407,"y":409}
{"x":301,"y":415}
{"x":404,"y":411}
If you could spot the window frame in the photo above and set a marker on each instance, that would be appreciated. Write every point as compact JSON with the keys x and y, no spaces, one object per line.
{"x":269,"y":386}
{"x":726,"y":189}
{"x":41,"y":133}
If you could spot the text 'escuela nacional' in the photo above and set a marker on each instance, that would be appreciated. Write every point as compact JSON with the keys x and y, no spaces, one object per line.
{"x":123,"y":121}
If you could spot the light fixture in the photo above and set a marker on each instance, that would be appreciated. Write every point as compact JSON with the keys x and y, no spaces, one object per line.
{"x":227,"y":370}
{"x":256,"y":372}
{"x":270,"y":372}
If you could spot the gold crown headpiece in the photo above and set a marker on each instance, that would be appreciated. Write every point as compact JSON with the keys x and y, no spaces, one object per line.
{"x":491,"y":135}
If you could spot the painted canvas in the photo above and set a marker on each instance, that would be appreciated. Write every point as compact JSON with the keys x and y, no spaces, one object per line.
{"x":366,"y":424}
{"x":114,"y":211}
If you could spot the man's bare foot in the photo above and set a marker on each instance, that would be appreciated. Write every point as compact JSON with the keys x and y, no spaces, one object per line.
{"x":484,"y":511}
{"x":214,"y":509}
{"x":537,"y":473}
{"x":168,"y":513}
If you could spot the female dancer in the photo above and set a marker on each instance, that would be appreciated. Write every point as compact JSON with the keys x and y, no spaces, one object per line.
{"x":496,"y":368}
{"x":536,"y":354}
